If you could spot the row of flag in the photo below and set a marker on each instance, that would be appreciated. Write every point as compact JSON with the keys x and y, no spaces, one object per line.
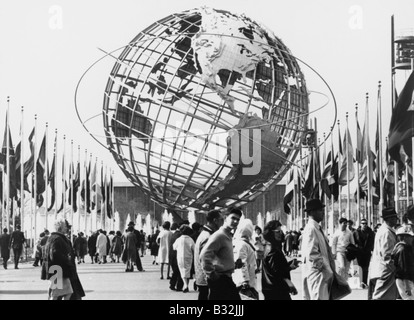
{"x":325,"y":175}
{"x":39,"y":179}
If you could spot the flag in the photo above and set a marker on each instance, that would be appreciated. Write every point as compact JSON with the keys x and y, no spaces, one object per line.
{"x":402,"y":124}
{"x":109,"y":205}
{"x":103,"y":185}
{"x":29,"y":164}
{"x":40,"y":173}
{"x":326,"y":175}
{"x":308,"y":186}
{"x":290,"y":186}
{"x":86,"y":190}
{"x":75,"y":183}
{"x":94,"y":187}
{"x":51,"y":183}
{"x":347,"y":164}
{"x":12,"y":163}
{"x":334,"y":178}
{"x":359,"y":147}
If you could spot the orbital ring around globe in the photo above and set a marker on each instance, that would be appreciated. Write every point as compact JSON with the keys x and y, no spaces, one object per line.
{"x":179,"y":79}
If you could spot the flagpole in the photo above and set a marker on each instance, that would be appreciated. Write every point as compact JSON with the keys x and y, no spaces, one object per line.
{"x":86,"y":191}
{"x":324,"y":194}
{"x":78,"y":193}
{"x":348,"y":201}
{"x":301,"y":215}
{"x":113,"y":200}
{"x":56,"y":176}
{"x":379,"y":125}
{"x":339,"y":171}
{"x":64,"y":176}
{"x":96,"y":193}
{"x":359,"y":216}
{"x":35,"y":181}
{"x":369,"y":164}
{"x":72,"y":193}
{"x":102,"y":204}
{"x":47,"y":176}
{"x":22,"y":174}
{"x":8,"y":165}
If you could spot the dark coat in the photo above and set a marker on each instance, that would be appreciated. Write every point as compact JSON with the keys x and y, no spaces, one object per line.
{"x":275,"y":269}
{"x":80,"y":246}
{"x":92,"y":244}
{"x":16,"y":240}
{"x":130,"y":252}
{"x":364,"y":240}
{"x":59,"y":252}
{"x":4,"y":246}
{"x":117,"y":246}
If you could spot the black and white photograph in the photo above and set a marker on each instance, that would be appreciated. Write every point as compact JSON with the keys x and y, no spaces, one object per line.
{"x":206,"y":153}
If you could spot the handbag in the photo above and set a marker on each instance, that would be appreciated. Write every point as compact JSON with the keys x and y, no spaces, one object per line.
{"x":340,"y":288}
{"x":351,"y":252}
{"x":248,"y":293}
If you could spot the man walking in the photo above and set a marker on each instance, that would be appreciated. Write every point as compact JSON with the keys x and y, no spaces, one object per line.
{"x":341,"y":239}
{"x":317,"y":273}
{"x":382,"y":285}
{"x":214,"y":221}
{"x":217,"y":259}
{"x":138,"y":245}
{"x":364,"y":239}
{"x":4,"y":247}
{"x":17,"y":240}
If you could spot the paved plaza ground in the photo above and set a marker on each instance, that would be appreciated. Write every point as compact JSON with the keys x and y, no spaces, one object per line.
{"x":111,"y":282}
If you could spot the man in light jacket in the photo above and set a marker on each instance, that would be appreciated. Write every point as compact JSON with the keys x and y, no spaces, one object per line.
{"x":381,"y":274}
{"x":317,"y":273}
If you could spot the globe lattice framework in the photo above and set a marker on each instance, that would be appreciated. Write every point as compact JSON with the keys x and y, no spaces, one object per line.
{"x":177,"y":89}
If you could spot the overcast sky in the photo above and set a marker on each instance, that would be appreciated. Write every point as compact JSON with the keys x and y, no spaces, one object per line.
{"x":46,"y":46}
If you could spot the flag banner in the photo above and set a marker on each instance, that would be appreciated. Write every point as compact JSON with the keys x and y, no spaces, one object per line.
{"x":40,"y":172}
{"x":333,"y":180}
{"x":109,"y":198}
{"x":29,"y":164}
{"x":326,"y":175}
{"x":51,"y":183}
{"x":347,"y":165}
{"x":94,"y":187}
{"x":360,"y":146}
{"x":12,"y":164}
{"x":290,"y":185}
{"x":402,"y":124}
{"x":86,"y":190}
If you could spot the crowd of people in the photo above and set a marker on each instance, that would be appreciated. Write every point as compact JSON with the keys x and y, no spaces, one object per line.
{"x":225,"y":255}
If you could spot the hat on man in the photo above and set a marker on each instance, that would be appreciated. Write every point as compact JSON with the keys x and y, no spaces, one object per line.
{"x":389,"y":213}
{"x":131,"y":223}
{"x":405,"y":230}
{"x":314,"y":204}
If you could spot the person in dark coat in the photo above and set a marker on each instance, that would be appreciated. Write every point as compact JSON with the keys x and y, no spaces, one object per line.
{"x":364,"y":239}
{"x":4,"y":247}
{"x":92,"y":247}
{"x":130,"y":253}
{"x":59,"y":252}
{"x":117,"y":245}
{"x":138,"y":244}
{"x":80,"y":246}
{"x":17,"y":240}
{"x":154,"y":246}
{"x":276,"y":281}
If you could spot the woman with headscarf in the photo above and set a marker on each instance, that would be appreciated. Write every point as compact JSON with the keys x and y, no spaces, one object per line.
{"x":276,"y":282}
{"x":60,"y":257}
{"x":117,"y":243}
{"x":244,"y":275}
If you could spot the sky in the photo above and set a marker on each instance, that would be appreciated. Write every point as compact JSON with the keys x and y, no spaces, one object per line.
{"x":47,"y":46}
